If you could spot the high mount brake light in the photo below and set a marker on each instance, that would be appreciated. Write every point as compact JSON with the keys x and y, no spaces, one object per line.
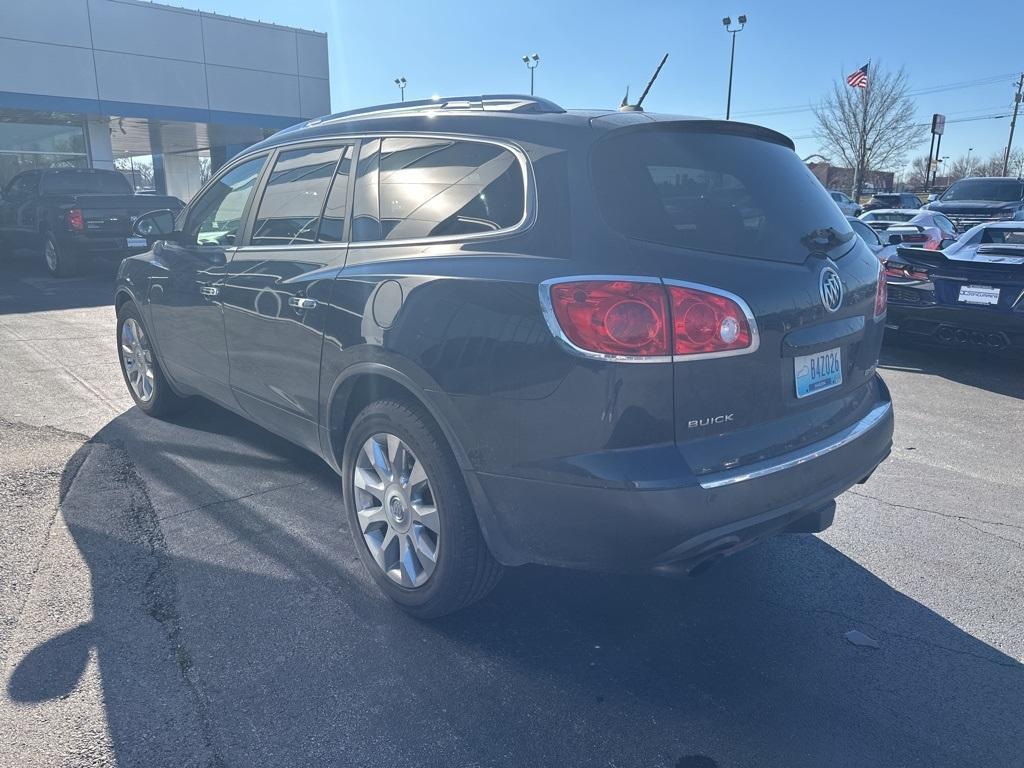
{"x":75,"y":219}
{"x":646,"y":320}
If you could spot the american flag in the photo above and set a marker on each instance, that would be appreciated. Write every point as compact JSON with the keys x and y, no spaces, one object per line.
{"x":859,"y":79}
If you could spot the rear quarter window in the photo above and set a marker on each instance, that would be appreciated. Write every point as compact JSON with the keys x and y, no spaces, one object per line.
{"x":717,"y":192}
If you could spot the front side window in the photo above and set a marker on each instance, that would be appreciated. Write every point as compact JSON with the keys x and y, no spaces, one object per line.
{"x":216,"y":217}
{"x":289,"y":212}
{"x":443,"y":188}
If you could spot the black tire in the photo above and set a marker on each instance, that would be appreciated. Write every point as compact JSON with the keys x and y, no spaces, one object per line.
{"x":58,"y":261}
{"x":163,"y":401}
{"x":465,"y":570}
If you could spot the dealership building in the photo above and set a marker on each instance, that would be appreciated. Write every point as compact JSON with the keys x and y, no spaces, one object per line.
{"x":164,"y":94}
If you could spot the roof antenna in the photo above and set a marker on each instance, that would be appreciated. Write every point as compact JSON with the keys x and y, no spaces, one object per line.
{"x":638,"y":107}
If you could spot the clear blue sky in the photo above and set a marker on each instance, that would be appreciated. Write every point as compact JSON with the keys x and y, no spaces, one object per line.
{"x":786,"y":57}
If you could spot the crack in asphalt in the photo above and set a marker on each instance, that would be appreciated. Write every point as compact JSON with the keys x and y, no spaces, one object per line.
{"x":967,"y":520}
{"x":160,"y":589}
{"x":216,"y":502}
{"x":1012,"y":664}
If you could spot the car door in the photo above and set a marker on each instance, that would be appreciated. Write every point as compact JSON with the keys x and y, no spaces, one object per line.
{"x":278,"y":288}
{"x":184,"y":296}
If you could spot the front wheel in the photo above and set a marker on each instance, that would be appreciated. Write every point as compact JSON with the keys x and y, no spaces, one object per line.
{"x":146,"y":381}
{"x":410,"y":514}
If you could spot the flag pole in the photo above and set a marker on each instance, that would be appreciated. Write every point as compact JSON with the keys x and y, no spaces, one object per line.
{"x":863,"y":139}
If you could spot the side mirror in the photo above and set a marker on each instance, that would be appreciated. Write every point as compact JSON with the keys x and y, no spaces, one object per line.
{"x":155,"y":225}
{"x":895,"y":239}
{"x":932,"y":198}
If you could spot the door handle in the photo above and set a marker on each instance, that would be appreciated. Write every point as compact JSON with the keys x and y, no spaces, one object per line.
{"x":301,"y":302}
{"x":209,"y":290}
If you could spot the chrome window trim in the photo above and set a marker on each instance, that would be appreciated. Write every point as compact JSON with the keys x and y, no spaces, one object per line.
{"x":526,"y":168}
{"x":802,"y":456}
{"x":544,"y":292}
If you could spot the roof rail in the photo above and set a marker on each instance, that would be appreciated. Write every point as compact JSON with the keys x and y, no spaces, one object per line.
{"x":485,"y":103}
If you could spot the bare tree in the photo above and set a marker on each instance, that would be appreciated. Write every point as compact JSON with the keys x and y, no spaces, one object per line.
{"x":917,"y":174}
{"x":993,"y":165}
{"x":869,"y":128}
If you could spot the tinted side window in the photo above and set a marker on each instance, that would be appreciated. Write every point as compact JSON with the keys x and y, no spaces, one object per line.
{"x":865,"y":232}
{"x":216,"y":217}
{"x":289,"y":212}
{"x":332,"y":223}
{"x":442,"y":187}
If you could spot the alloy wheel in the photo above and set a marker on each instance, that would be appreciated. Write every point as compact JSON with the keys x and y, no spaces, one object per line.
{"x":50,"y":254}
{"x":137,"y":358}
{"x":395,"y":506}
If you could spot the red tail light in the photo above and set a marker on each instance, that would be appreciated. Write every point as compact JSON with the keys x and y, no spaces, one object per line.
{"x":75,"y":220}
{"x":905,"y":273}
{"x":613,"y":317}
{"x":706,"y":322}
{"x":881,"y":293}
{"x":626,"y":318}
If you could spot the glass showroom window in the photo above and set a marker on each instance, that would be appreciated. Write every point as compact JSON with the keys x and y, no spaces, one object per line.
{"x":25,"y":145}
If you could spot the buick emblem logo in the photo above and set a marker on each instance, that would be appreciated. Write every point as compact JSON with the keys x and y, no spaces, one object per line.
{"x":831,"y":289}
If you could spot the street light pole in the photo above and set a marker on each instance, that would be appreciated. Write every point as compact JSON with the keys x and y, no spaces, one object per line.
{"x":968,"y":169}
{"x":531,"y":62}
{"x":727,"y":23}
{"x":400,"y":82}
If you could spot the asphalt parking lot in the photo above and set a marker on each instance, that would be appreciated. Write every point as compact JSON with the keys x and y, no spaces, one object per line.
{"x":185,"y":593}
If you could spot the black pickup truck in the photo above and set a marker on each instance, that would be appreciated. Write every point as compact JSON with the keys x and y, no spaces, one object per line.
{"x":979,"y":200}
{"x":68,"y":215}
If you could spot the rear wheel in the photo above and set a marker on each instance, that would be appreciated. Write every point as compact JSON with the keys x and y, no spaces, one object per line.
{"x":410,"y":514}
{"x":59,"y":262}
{"x":146,"y":382}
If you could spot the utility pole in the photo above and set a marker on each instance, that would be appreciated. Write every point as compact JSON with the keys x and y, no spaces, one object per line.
{"x":1013,"y":122}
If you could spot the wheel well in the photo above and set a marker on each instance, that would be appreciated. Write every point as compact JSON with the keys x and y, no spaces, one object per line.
{"x":121,"y":299}
{"x":357,"y":393}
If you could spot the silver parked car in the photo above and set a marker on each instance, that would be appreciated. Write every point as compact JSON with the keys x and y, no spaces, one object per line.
{"x":916,"y":228}
{"x":846,"y":205}
{"x":883,"y":250}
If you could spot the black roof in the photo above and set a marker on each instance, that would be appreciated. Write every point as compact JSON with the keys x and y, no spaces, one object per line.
{"x":513,"y":116}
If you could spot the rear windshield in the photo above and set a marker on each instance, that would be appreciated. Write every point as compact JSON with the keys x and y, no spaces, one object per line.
{"x":715,"y":192}
{"x":886,"y":198}
{"x":1000,"y":190}
{"x":89,"y":182}
{"x":893,"y":216}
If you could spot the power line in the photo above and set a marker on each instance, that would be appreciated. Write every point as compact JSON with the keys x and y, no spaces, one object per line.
{"x":927,"y":90}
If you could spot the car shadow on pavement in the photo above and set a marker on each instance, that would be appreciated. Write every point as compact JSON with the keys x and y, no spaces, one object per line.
{"x":25,"y":285}
{"x":997,"y":373}
{"x":233,"y":625}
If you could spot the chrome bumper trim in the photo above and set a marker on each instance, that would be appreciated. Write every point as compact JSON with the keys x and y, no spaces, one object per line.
{"x":805,"y":454}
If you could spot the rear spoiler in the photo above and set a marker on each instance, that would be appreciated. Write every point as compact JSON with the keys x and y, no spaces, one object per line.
{"x":922,"y":257}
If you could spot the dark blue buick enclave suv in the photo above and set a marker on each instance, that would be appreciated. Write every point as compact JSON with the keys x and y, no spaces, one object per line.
{"x":609,"y":340}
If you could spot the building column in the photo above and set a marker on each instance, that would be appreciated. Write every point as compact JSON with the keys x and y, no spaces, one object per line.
{"x":97,"y":134}
{"x":182,"y":175}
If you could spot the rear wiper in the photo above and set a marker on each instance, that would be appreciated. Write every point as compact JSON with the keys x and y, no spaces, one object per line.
{"x":825,"y":238}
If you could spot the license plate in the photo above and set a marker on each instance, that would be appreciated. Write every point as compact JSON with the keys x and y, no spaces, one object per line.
{"x":137,"y":242}
{"x":978,"y":294}
{"x":818,"y":372}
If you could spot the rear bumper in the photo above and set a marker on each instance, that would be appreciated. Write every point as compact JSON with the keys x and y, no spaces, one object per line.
{"x":961,"y":326}
{"x":112,"y":248}
{"x":678,"y":527}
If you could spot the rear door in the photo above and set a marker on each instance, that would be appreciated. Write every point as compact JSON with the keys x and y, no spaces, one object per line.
{"x":278,"y":288}
{"x":741,"y":214}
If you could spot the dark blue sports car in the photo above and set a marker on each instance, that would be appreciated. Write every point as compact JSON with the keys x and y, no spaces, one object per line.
{"x":971,"y":294}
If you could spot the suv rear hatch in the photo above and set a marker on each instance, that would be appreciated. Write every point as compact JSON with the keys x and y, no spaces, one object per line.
{"x":732,"y":207}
